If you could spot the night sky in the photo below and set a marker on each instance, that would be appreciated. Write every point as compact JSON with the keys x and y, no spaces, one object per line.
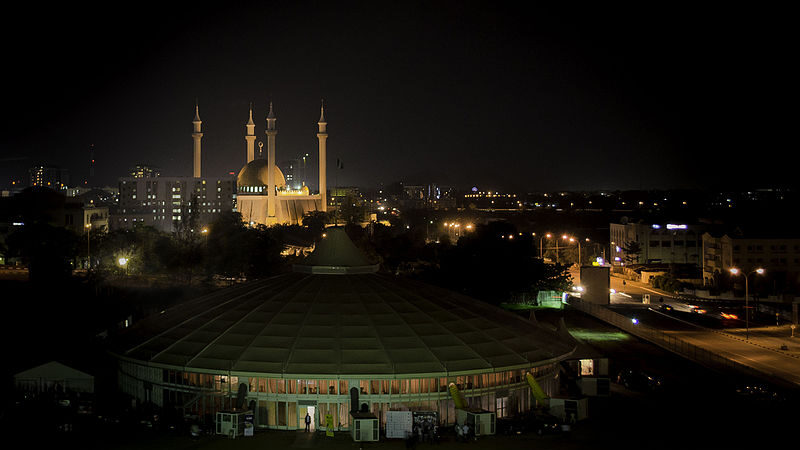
{"x":456,"y":93}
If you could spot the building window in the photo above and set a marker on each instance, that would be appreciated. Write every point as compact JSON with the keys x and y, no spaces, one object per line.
{"x":500,"y":406}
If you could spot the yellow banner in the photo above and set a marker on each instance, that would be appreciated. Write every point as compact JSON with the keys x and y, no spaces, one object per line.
{"x":457,"y":398}
{"x":538,"y":393}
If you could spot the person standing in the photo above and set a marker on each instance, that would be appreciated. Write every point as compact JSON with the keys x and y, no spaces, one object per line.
{"x":308,"y":422}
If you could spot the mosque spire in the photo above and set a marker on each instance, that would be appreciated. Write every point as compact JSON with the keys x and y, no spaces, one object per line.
{"x":322,"y":112}
{"x":197,"y":135}
{"x":322,"y":136}
{"x":271,"y":189}
{"x":250,"y":136}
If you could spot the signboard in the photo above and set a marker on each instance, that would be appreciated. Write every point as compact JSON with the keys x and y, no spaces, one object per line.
{"x":248,"y":424}
{"x":399,"y":424}
{"x":329,"y":425}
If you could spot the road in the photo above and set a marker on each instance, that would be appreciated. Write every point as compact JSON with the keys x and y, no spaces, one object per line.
{"x":768,"y":349}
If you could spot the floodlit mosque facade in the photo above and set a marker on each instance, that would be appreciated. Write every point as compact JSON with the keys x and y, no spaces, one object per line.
{"x":263,"y":195}
{"x":299,"y":342}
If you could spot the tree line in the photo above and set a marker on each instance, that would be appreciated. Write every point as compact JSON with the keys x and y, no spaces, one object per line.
{"x":484,"y":264}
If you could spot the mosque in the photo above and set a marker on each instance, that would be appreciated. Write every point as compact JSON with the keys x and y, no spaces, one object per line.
{"x":259,"y":192}
{"x":263,"y":196}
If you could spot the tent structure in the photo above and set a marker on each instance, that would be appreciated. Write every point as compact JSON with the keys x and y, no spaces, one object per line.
{"x":54,"y":377}
{"x":302,"y":338}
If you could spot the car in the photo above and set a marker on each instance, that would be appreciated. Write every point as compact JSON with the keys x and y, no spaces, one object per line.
{"x":540,"y":423}
{"x":760,"y":392}
{"x":547,"y":424}
{"x":641,"y":381}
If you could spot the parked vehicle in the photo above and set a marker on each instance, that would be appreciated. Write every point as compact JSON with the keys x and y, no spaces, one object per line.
{"x":540,"y":423}
{"x":641,"y":381}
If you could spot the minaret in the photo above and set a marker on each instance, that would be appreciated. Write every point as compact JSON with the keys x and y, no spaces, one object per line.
{"x":196,"y":136}
{"x":322,"y":135}
{"x":271,"y":132}
{"x":250,"y":136}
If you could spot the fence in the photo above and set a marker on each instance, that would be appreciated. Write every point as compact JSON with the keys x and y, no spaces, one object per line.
{"x":712,"y":360}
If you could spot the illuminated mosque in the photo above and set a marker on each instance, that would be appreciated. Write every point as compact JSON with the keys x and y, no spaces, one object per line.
{"x":263,"y":196}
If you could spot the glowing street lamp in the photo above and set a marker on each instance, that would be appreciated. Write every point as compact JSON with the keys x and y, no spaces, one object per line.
{"x":578,"y":241}
{"x":88,"y":227}
{"x":541,"y":249}
{"x":735,"y":272}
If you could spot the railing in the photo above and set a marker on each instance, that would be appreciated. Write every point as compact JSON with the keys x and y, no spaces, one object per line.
{"x":702,"y":356}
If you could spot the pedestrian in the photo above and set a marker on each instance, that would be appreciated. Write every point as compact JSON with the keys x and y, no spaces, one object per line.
{"x":308,"y":422}
{"x":195,"y":431}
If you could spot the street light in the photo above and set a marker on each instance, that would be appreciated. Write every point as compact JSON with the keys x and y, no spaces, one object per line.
{"x":88,"y":227}
{"x":123,"y":262}
{"x":541,"y":249}
{"x":578,"y":241}
{"x":735,"y":272}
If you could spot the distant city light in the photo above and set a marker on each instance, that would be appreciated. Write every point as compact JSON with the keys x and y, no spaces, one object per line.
{"x":656,"y":226}
{"x":672,"y":226}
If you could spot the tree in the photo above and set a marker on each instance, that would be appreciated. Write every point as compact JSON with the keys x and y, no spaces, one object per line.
{"x":666,"y":283}
{"x":315,"y":221}
{"x":263,"y":251}
{"x":48,"y":251}
{"x":187,"y":246}
{"x":226,"y":240}
{"x":492,"y":267}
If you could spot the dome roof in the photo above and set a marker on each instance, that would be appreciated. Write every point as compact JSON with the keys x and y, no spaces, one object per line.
{"x":364,"y":324}
{"x":335,"y":254}
{"x":254,"y":173}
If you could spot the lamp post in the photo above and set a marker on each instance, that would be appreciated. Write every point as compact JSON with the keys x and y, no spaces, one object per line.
{"x":123,"y":262}
{"x":541,"y":249}
{"x":88,"y":227}
{"x":578,"y":241}
{"x":736,"y":271}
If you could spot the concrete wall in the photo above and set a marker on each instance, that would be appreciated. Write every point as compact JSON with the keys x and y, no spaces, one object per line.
{"x":595,"y":282}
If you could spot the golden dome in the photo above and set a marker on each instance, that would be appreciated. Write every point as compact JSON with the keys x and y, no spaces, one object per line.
{"x":254,"y":174}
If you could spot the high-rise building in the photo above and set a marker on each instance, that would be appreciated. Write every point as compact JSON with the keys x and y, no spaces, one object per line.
{"x":144,"y":171}
{"x":677,"y":243}
{"x":160,"y":202}
{"x":48,"y":176}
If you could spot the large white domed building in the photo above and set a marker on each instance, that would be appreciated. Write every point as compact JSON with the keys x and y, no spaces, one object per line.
{"x":299,"y":342}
